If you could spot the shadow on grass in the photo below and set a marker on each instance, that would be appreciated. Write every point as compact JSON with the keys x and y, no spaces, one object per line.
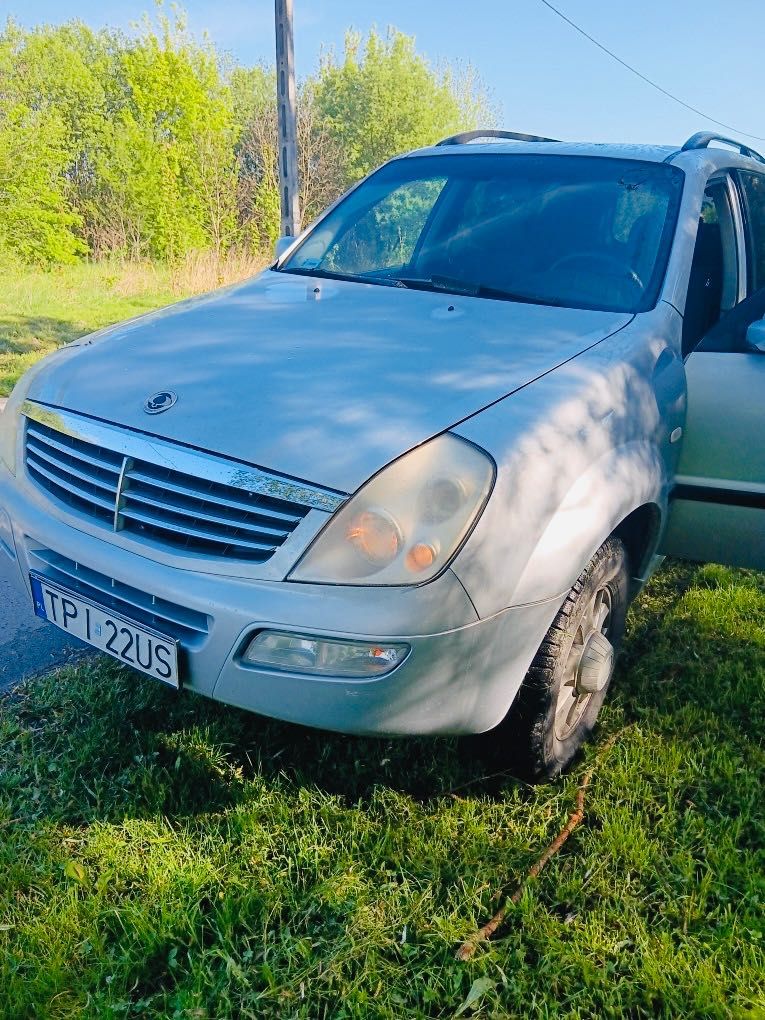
{"x":20,"y":334}
{"x":123,"y":746}
{"x":163,"y":855}
{"x":26,"y":338}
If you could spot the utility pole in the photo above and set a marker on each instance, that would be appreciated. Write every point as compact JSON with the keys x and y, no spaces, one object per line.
{"x":285,"y":106}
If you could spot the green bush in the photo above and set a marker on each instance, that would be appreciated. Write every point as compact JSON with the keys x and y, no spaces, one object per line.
{"x":152,"y":146}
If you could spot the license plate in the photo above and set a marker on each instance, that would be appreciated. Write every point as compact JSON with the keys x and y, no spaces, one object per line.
{"x":138,"y":646}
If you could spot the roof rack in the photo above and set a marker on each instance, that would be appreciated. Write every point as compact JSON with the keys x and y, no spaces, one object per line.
{"x":702,"y":139}
{"x":469,"y":136}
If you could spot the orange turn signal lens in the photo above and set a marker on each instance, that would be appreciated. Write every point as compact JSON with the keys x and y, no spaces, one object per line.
{"x":420,"y":557}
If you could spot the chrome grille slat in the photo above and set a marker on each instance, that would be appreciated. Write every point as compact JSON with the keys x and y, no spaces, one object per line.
{"x":187,"y":625}
{"x":232,"y":502}
{"x":161,"y":505}
{"x":194,"y":532}
{"x":202,"y":515}
{"x":66,"y":485}
{"x":33,"y":432}
{"x":32,"y":448}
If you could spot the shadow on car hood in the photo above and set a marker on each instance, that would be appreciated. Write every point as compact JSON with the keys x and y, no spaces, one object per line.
{"x":321,"y":380}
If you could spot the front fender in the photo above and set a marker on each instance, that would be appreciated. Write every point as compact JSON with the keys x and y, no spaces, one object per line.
{"x":551,"y":548}
{"x":629,"y":477}
{"x":576,"y":453}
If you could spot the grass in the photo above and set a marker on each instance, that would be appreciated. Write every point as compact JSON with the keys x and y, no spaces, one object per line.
{"x":41,"y":310}
{"x":163,"y":856}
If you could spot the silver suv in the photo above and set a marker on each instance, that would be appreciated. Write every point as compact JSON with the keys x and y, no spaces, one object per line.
{"x":408,"y":479}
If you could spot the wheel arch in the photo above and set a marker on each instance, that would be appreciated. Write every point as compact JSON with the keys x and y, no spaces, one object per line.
{"x":640,"y":531}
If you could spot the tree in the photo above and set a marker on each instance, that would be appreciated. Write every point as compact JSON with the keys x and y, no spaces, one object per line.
{"x":150,"y":145}
{"x":320,"y":167}
{"x":70,"y":70}
{"x":168,"y":174}
{"x":384,"y":98}
{"x":37,"y":221}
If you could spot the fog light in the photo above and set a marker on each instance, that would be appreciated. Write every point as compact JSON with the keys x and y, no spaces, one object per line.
{"x":297,"y":653}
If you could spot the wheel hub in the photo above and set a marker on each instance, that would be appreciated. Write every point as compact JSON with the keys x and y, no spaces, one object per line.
{"x":595,"y":665}
{"x":589,"y":666}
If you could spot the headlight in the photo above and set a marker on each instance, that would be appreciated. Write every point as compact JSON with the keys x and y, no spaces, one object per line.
{"x":9,"y":424}
{"x":406,"y":523}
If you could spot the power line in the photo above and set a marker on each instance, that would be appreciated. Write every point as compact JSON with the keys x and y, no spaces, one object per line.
{"x":634,"y":70}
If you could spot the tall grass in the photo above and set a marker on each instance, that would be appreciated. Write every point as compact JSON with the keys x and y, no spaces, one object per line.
{"x":203,"y":271}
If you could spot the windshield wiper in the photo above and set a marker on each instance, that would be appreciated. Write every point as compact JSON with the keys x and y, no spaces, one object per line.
{"x":449,"y":284}
{"x":437,"y":283}
{"x":329,"y":274}
{"x":453,"y":285}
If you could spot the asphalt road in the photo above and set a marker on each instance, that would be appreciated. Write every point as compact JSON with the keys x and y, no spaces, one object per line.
{"x":27,"y":645}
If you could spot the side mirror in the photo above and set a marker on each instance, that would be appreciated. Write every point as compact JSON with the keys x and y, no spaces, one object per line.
{"x":282,"y":245}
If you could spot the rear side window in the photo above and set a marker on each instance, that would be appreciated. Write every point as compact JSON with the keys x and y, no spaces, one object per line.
{"x":713,"y":283}
{"x":753,"y":186}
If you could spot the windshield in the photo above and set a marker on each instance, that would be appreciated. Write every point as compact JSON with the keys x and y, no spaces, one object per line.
{"x":575,"y":231}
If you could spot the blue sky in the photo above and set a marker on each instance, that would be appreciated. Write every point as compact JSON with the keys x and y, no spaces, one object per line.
{"x":544,"y":77}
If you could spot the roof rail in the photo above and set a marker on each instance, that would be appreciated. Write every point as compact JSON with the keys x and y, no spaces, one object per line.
{"x":469,"y":136}
{"x":702,"y":139}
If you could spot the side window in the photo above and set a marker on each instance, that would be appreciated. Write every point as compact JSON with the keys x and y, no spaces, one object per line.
{"x":386,"y":236}
{"x":713,"y":283}
{"x":753,"y":187}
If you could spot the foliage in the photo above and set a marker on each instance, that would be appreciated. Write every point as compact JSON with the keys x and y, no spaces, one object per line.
{"x":319,"y":160}
{"x":37,"y":223}
{"x":384,"y":98}
{"x":169,"y":166}
{"x":169,"y":857}
{"x":150,"y":145}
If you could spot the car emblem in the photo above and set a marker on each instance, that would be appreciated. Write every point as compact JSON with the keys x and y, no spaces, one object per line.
{"x":159,"y":402}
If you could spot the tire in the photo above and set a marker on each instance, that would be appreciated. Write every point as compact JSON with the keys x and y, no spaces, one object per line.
{"x":557,"y":706}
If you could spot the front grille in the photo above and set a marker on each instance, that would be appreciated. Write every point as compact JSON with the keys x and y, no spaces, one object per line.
{"x":167,"y":508}
{"x":79,"y":474}
{"x":186,"y":625}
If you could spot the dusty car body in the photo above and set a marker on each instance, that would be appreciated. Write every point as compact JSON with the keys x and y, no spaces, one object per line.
{"x":181,"y":471}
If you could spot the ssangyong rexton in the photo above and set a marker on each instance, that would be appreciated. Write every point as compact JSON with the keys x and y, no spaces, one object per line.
{"x":408,"y":479}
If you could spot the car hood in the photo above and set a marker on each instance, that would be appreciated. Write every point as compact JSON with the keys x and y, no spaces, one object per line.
{"x":325,"y":381}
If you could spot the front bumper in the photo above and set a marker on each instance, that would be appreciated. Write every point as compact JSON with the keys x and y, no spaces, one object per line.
{"x":460,"y":677}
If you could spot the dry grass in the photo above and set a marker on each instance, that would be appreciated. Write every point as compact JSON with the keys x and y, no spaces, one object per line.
{"x":203,"y":271}
{"x":133,"y":279}
{"x":197,"y":273}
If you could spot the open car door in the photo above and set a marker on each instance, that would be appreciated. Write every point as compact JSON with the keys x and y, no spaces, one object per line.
{"x":717,"y":511}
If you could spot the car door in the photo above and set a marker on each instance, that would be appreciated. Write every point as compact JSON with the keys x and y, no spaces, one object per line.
{"x":717,"y":511}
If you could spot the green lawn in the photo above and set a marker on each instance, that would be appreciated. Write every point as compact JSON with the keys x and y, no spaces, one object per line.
{"x":162,"y":856}
{"x":40,"y":311}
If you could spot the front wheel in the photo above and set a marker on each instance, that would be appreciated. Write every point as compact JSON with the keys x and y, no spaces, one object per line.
{"x":561,"y":696}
